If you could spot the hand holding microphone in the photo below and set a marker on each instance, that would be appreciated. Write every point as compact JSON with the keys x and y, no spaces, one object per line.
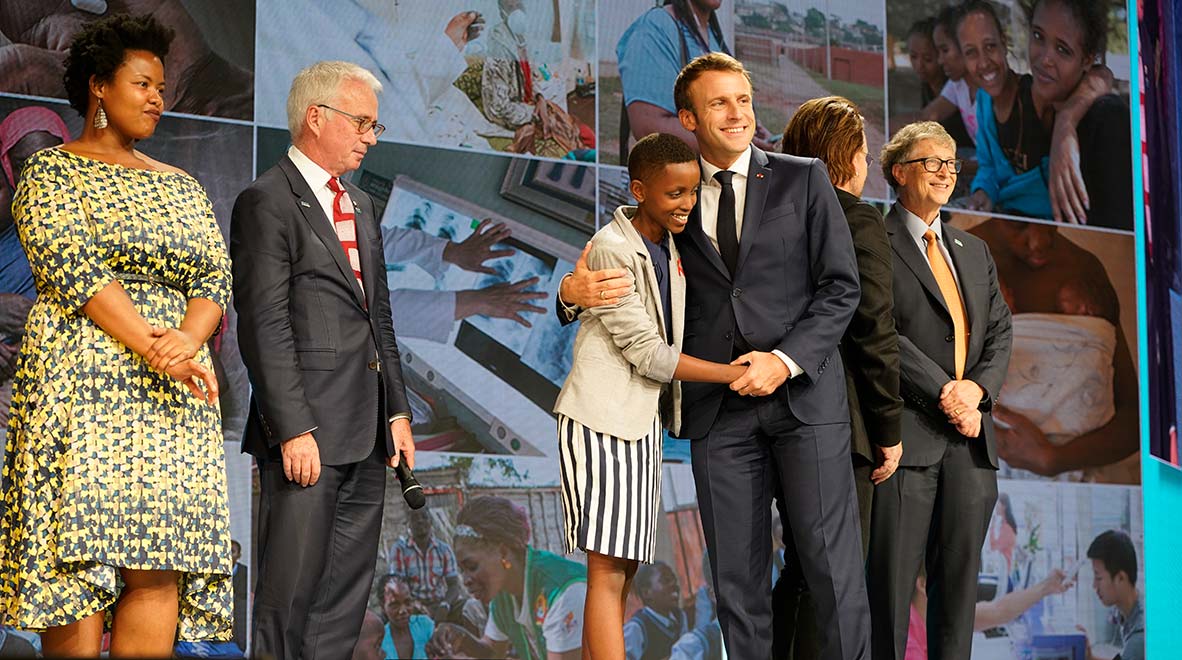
{"x":412,"y":492}
{"x":404,"y":445}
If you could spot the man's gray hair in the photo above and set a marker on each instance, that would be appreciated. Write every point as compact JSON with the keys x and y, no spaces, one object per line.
{"x":899,"y":148}
{"x":319,"y":83}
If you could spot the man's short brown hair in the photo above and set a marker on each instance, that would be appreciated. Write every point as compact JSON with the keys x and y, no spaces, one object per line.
{"x":829,"y":128}
{"x":696,"y":67}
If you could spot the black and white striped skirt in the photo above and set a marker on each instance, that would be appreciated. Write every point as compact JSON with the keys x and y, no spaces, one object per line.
{"x":611,"y":490}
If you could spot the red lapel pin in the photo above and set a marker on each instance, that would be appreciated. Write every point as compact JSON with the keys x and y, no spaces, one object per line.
{"x":759,"y":175}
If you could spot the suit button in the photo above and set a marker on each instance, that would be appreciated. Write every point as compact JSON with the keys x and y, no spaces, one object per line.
{"x":373,"y":365}
{"x":736,"y":292}
{"x":728,"y":336}
{"x":949,"y":338}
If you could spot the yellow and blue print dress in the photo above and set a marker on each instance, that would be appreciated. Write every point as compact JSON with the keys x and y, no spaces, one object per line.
{"x":110,"y":464}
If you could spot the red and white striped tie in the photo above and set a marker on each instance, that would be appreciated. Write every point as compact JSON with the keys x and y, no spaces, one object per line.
{"x":342,"y":220}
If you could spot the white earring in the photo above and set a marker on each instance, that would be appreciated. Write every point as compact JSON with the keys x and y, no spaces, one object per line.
{"x":100,"y":116}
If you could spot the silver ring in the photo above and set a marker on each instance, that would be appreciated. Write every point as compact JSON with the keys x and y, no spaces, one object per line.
{"x":603,"y":295}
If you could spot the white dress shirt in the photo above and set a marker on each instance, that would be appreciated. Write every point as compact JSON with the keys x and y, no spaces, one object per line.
{"x":317,"y":179}
{"x":708,"y":196}
{"x":711,"y":191}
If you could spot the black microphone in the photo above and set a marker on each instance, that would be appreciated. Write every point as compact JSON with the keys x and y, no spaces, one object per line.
{"x":411,"y":490}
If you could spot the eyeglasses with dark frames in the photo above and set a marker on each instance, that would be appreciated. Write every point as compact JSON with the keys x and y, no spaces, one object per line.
{"x":363,"y":124}
{"x":933,"y":164}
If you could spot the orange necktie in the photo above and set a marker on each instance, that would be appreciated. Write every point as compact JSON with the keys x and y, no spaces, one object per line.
{"x":947,"y":284}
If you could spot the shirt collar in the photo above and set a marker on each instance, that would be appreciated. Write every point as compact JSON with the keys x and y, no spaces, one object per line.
{"x":316,"y":176}
{"x":917,"y":227}
{"x":662,"y":244}
{"x":1134,"y":618}
{"x":666,"y":621}
{"x":410,"y":543}
{"x":740,"y":167}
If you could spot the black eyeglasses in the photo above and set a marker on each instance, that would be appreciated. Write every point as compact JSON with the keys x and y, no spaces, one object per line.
{"x":362,"y":124}
{"x":933,"y":164}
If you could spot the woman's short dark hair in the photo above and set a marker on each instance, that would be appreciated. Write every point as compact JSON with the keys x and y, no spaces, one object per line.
{"x":923,"y":27}
{"x":948,"y":18}
{"x":101,"y":47}
{"x":1092,"y":16}
{"x":493,"y":521}
{"x":985,"y":8}
{"x":389,"y":579}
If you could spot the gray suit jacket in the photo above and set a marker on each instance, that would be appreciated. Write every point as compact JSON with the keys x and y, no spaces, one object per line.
{"x":622,"y":358}
{"x":926,"y":348}
{"x":319,"y":351}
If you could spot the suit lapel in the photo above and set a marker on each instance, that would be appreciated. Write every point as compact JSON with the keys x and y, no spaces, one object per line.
{"x":908,"y":251}
{"x":698,"y":236}
{"x":365,"y":224}
{"x":967,"y":266}
{"x":320,"y":225}
{"x":676,"y":294}
{"x":759,"y":177}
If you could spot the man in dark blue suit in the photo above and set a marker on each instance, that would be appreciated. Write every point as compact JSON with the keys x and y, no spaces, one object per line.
{"x":772,"y":282}
{"x":328,"y":405}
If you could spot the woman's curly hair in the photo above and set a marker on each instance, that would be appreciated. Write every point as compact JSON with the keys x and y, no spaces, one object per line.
{"x":101,"y":47}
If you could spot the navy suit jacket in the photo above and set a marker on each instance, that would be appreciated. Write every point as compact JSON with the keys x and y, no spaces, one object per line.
{"x":926,"y":348}
{"x":795,"y":289}
{"x":314,"y":344}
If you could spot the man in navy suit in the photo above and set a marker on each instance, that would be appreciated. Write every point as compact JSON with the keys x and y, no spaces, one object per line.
{"x":328,"y":408}
{"x":772,"y":281}
{"x":955,"y":337}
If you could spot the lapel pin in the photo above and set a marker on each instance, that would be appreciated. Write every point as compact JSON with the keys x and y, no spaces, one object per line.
{"x":305,"y":204}
{"x":958,"y":243}
{"x":759,"y":175}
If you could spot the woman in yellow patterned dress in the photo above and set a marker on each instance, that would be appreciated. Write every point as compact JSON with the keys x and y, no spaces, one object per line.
{"x":114,"y":483}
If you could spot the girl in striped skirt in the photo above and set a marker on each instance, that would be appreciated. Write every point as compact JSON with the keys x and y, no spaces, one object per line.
{"x":621,"y":388}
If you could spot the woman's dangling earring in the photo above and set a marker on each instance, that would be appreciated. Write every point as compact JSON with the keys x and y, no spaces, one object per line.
{"x":505,"y":564}
{"x":100,"y":116}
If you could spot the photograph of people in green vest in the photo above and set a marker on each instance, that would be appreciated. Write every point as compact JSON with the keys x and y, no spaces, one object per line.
{"x":535,"y":598}
{"x":427,"y":564}
{"x":1050,"y":134}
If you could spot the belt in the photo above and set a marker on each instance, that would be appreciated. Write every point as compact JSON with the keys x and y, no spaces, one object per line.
{"x":149,"y":279}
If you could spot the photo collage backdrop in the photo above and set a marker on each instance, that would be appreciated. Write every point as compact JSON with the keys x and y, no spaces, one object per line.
{"x":524,"y":120}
